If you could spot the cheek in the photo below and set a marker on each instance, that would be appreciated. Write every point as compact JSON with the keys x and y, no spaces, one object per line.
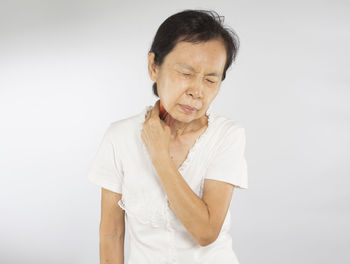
{"x":168,"y":82}
{"x":174,"y":86}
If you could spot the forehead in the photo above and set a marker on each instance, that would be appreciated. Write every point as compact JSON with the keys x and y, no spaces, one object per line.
{"x":210,"y":54}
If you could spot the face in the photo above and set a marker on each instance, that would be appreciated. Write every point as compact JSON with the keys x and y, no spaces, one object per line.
{"x":190,"y":75}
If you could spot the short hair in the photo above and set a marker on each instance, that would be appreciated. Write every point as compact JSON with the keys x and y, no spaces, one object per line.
{"x":193,"y":26}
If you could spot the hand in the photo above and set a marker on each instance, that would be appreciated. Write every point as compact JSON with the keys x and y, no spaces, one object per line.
{"x":155,"y":134}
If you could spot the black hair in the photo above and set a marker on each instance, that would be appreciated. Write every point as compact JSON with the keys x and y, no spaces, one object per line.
{"x":193,"y":26}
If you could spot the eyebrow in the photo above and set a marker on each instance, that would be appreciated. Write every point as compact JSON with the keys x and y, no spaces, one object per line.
{"x":192,"y":69}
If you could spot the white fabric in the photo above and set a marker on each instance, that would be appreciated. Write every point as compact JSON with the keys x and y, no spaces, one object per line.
{"x":122,"y":164}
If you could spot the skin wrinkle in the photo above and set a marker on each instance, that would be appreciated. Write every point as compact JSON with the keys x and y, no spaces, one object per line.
{"x":192,"y":69}
{"x":202,"y":217}
{"x":174,"y":88}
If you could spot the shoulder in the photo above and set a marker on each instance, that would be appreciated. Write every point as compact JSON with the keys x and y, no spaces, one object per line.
{"x":226,"y":127}
{"x":123,"y":126}
{"x":229,"y":137}
{"x":122,"y":129}
{"x":226,"y":134}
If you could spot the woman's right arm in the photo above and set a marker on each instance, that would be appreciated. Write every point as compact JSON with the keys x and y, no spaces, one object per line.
{"x":112,"y":228}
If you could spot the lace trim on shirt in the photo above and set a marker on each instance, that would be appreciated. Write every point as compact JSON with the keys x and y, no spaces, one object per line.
{"x":196,"y":145}
{"x":191,"y":152}
{"x":147,"y":209}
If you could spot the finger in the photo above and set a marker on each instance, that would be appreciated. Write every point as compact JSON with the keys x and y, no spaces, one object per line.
{"x":155,"y":110}
{"x":148,"y":114}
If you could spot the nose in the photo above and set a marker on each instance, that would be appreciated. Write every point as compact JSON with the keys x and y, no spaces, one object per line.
{"x":196,"y":90}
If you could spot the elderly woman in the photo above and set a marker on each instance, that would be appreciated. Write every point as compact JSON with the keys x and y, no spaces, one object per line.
{"x":172,"y":168}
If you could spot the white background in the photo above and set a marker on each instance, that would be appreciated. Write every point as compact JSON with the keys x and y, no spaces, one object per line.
{"x":69,"y":68}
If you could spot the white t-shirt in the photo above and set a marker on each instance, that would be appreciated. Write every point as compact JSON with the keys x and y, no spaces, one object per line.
{"x":123,"y":165}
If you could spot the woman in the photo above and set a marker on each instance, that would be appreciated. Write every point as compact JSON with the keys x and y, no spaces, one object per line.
{"x":172,"y":168}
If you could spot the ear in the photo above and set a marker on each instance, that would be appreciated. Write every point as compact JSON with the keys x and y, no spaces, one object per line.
{"x":152,"y":67}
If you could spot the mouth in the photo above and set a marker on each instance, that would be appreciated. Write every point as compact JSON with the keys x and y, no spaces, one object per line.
{"x":187,"y":109}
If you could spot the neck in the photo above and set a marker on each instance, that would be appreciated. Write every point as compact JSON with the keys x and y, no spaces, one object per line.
{"x":179,"y":128}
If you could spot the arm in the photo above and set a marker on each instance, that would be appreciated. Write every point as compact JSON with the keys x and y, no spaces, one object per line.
{"x":112,"y":229}
{"x":203,"y":218}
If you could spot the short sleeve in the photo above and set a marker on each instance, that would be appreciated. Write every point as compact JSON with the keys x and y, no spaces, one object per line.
{"x":228,"y":163}
{"x":105,"y":169}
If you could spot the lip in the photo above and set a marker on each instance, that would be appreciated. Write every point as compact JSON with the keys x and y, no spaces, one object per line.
{"x":187,"y":109}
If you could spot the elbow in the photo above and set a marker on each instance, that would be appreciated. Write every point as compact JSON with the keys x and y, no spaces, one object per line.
{"x":208,"y":234}
{"x":206,"y":242}
{"x":207,"y":238}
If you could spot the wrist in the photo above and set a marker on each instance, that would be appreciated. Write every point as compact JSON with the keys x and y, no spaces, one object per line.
{"x":161,"y":158}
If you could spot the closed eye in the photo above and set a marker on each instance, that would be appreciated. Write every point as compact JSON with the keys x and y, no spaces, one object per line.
{"x":188,"y":74}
